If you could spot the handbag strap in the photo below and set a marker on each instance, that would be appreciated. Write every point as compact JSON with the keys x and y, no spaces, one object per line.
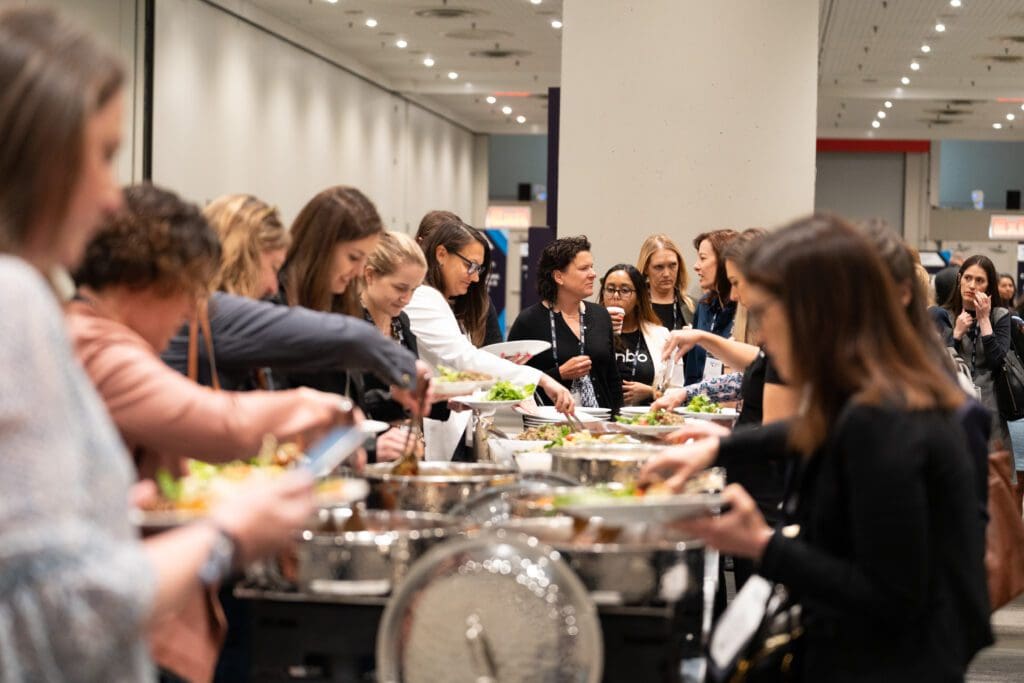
{"x":201,"y":322}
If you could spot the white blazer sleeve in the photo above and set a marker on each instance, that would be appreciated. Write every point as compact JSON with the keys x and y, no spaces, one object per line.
{"x":655,"y":336}
{"x":441,"y":342}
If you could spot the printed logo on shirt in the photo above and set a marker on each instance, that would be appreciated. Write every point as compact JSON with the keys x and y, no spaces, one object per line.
{"x":629,"y":357}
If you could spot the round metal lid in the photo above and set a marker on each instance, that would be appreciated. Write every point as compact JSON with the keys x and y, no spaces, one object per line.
{"x":498,"y":606}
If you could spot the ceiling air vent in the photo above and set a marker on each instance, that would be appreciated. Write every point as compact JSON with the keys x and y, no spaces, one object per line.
{"x":498,"y":54}
{"x":961,"y":103}
{"x":949,"y":112}
{"x":939,"y":122}
{"x":478,"y":34}
{"x":1007,"y":39}
{"x":540,"y":95}
{"x":447,"y":13}
{"x":1000,"y":59}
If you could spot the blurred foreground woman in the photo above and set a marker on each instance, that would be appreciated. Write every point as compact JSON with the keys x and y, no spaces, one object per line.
{"x":888,"y":563}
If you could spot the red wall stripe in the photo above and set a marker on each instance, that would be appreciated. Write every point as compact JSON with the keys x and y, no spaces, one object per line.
{"x":866,"y":145}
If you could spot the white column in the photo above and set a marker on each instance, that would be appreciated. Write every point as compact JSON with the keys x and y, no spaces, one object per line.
{"x":685,"y":116}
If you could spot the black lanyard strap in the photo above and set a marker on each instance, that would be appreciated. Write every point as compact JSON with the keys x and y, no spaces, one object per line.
{"x":554,"y":338}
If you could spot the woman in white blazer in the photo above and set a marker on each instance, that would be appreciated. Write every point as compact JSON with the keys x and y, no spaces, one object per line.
{"x":448,"y":312}
{"x":641,"y":341}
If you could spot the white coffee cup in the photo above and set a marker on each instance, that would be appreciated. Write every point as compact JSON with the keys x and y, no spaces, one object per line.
{"x":617,"y":314}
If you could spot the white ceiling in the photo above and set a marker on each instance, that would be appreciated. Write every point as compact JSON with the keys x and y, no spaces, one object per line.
{"x":866,"y":46}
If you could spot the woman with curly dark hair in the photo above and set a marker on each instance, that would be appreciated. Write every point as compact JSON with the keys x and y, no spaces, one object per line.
{"x":582,"y":355}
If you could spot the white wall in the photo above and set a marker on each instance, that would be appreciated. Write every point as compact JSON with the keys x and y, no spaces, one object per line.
{"x":682,"y":117}
{"x":862,"y":185}
{"x":236,"y":109}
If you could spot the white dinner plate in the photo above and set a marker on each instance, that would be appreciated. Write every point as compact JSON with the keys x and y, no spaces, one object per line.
{"x":374,"y":426}
{"x":634,"y":410}
{"x":548,"y":415}
{"x":727,"y":415}
{"x":651,"y":430}
{"x":507,"y":350}
{"x":657,"y":509}
{"x":453,"y":389}
{"x":478,"y":401}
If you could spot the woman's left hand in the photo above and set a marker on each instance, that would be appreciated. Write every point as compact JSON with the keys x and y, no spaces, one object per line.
{"x":634,"y":393}
{"x":391,"y":443}
{"x":982,"y":305}
{"x":741,"y":531}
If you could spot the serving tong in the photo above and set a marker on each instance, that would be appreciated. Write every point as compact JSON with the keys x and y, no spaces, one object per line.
{"x":408,"y":465}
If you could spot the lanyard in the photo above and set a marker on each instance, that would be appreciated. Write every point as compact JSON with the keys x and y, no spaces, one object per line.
{"x":636,"y":350}
{"x":396,"y":327}
{"x":675,"y":320}
{"x":554,"y":340}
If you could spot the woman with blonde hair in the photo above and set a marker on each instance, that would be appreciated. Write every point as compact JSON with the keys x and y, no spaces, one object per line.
{"x":661,"y":262}
{"x":254,"y":244}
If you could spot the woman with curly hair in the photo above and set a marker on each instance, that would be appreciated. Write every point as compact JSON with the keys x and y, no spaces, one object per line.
{"x":582,"y":354}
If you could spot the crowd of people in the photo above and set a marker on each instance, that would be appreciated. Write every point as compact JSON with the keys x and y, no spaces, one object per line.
{"x":864,"y":416}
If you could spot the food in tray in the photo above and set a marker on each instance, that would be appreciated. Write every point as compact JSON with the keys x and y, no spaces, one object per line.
{"x":702,"y":404}
{"x":660,"y":418}
{"x":506,"y":391}
{"x":446,"y":374}
{"x":586,"y":438}
{"x":545,"y":433}
{"x":273,"y":452}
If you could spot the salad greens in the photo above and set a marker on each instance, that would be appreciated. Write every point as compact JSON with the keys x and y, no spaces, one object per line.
{"x":506,"y":391}
{"x":653,"y":418}
{"x":701,"y":404}
{"x":596,"y":494}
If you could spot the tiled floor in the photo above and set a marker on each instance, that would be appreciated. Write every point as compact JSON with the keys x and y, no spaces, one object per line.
{"x":1004,"y":661}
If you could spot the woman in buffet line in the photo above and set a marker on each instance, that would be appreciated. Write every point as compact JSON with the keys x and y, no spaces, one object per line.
{"x":639,"y":346}
{"x":80,"y":588}
{"x":661,"y":263}
{"x":142,"y":275}
{"x":978,"y":332}
{"x":252,"y":339}
{"x":582,"y":354}
{"x":716,"y":310}
{"x":888,"y":563}
{"x":449,"y":310}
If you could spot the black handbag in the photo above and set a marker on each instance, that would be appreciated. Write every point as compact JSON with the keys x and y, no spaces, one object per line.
{"x":1009,"y":380}
{"x":772,"y":653}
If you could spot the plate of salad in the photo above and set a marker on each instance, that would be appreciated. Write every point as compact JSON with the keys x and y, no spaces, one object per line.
{"x":652,"y":423}
{"x":629,"y":504}
{"x":702,"y":408}
{"x":502,"y":394}
{"x":449,"y":382}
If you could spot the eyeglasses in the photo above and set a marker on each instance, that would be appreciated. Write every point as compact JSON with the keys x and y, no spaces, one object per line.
{"x":472,"y":267}
{"x":619,"y":291}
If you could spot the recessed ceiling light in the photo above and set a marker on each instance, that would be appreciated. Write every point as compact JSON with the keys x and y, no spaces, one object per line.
{"x":555,"y":23}
{"x":520,"y":119}
{"x":535,"y":2}
{"x":888,"y":104}
{"x":880,"y":114}
{"x":371,"y":22}
{"x":491,"y":99}
{"x":453,"y":75}
{"x":926,"y":49}
{"x":428,"y":61}
{"x":905,"y":81}
{"x":401,"y":44}
{"x":1022,"y":107}
{"x":1010,"y":117}
{"x":506,"y":110}
{"x":997,"y":126}
{"x":875,"y":124}
{"x":333,"y":2}
{"x":954,"y":3}
{"x":914,"y":66}
{"x":940,"y":27}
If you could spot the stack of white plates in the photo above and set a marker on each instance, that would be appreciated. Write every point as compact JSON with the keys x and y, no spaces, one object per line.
{"x":544,"y":415}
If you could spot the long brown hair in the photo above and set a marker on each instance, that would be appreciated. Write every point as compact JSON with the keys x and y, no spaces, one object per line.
{"x":645,"y":314}
{"x":338,"y":214}
{"x":955,"y":303}
{"x":652,"y":245}
{"x":853,"y":338}
{"x":471,"y":308}
{"x":431,"y":221}
{"x":719,"y":240}
{"x":53,"y":76}
{"x":247,"y":227}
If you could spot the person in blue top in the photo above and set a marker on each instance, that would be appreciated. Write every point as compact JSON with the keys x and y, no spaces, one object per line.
{"x":715,"y":310}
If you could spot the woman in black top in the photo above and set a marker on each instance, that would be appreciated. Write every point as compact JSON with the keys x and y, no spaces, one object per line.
{"x":582,"y":356}
{"x":888,"y":563}
{"x":661,"y":263}
{"x":639,"y":346}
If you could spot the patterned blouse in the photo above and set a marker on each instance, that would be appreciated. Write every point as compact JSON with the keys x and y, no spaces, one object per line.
{"x":75,"y":584}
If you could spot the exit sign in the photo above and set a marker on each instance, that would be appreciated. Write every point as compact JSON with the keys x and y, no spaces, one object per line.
{"x":1009,"y":227}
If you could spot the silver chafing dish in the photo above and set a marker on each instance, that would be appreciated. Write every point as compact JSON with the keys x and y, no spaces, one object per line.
{"x":337,"y":554}
{"x":601,"y":463}
{"x":438,"y":487}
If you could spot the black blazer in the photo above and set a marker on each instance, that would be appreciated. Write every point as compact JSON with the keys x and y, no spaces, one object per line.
{"x":889,"y":564}
{"x":534,"y":323}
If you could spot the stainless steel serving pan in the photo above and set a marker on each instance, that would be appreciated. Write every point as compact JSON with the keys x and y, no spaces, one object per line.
{"x":438,"y":487}
{"x":602,"y":463}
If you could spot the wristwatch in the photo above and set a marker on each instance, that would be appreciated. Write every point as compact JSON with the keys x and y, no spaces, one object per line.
{"x":221,"y":560}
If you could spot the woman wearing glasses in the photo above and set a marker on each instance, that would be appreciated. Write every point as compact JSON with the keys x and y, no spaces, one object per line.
{"x":639,"y":346}
{"x":448,"y":312}
{"x":582,"y":355}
